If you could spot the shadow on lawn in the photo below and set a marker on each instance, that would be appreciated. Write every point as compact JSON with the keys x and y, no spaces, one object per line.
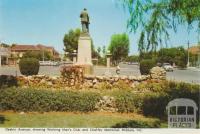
{"x":2,"y":119}
{"x":136,"y":124}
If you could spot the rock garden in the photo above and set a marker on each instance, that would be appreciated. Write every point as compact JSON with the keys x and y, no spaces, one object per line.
{"x":147,"y":95}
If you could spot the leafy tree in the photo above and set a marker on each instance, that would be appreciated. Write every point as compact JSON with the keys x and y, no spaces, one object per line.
{"x":71,"y":41}
{"x":119,"y":47}
{"x":99,"y":50}
{"x":148,"y":55}
{"x":156,"y":17}
{"x":95,"y":54}
{"x":104,"y":51}
{"x":4,"y":45}
{"x":132,"y":58}
{"x":193,"y":59}
{"x":102,"y":59}
{"x":177,"y":55}
{"x":181,"y":58}
{"x":167,"y":55}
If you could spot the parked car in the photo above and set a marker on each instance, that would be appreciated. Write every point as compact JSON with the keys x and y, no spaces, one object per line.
{"x":168,"y":67}
{"x":66,"y":62}
{"x":48,"y":63}
{"x":133,"y":63}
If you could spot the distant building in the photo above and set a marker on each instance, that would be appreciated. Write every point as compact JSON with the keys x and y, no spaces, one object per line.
{"x":19,"y":50}
{"x":4,"y":55}
{"x":51,"y":50}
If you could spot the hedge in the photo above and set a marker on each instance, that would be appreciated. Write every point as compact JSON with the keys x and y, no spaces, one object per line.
{"x":8,"y":81}
{"x":154,"y":101}
{"x":28,"y":100}
{"x":126,"y":101}
{"x":149,"y":103}
{"x":154,"y":104}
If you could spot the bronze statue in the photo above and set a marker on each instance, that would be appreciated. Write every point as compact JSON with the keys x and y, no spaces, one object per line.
{"x":85,"y":21}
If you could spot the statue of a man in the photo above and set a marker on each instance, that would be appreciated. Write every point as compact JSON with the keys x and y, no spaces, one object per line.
{"x":85,"y":21}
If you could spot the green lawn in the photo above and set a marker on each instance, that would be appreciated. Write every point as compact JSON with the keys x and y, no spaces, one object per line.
{"x":73,"y":120}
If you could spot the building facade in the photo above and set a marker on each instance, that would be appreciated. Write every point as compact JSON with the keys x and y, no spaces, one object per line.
{"x":15,"y":52}
{"x":4,"y":55}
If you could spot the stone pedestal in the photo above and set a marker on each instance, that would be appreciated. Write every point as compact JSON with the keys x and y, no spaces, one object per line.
{"x":84,"y":58}
{"x":88,"y":69}
{"x":108,"y":73}
{"x":74,"y":54}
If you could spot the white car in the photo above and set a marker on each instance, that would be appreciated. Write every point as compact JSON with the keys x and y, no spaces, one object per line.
{"x":168,"y":67}
{"x":133,"y":63}
{"x":48,"y":63}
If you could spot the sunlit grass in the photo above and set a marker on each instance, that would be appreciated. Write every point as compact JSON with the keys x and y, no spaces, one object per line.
{"x":71,"y":120}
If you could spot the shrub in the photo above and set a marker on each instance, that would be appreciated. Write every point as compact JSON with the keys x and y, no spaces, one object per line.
{"x":181,"y":64}
{"x":104,"y":85}
{"x":151,"y":86}
{"x":184,"y":90}
{"x":138,"y":124}
{"x":29,"y":66}
{"x":127,"y":101}
{"x":153,"y":98}
{"x":46,"y":100}
{"x":121,"y":85}
{"x":146,"y":65}
{"x":154,"y":104}
{"x":74,"y":73}
{"x":8,"y":81}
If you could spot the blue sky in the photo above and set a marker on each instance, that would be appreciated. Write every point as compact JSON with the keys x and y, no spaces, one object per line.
{"x":46,"y":22}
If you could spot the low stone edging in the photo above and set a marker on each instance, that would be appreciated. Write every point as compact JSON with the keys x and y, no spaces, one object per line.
{"x":90,"y":81}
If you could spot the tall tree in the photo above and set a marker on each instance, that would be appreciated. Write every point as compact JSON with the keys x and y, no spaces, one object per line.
{"x":104,"y":51}
{"x":71,"y":41}
{"x":157,"y":17}
{"x":99,"y":50}
{"x":177,"y":55}
{"x":119,"y":47}
{"x":132,"y":58}
{"x":95,"y":54}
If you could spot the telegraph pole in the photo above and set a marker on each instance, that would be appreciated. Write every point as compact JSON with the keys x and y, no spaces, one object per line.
{"x":0,"y":57}
{"x":43,"y":55}
{"x":198,"y":61}
{"x":188,"y":61}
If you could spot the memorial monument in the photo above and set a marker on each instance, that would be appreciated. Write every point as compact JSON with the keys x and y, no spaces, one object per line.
{"x":84,"y":44}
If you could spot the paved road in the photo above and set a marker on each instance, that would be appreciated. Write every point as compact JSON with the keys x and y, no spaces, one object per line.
{"x":190,"y":75}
